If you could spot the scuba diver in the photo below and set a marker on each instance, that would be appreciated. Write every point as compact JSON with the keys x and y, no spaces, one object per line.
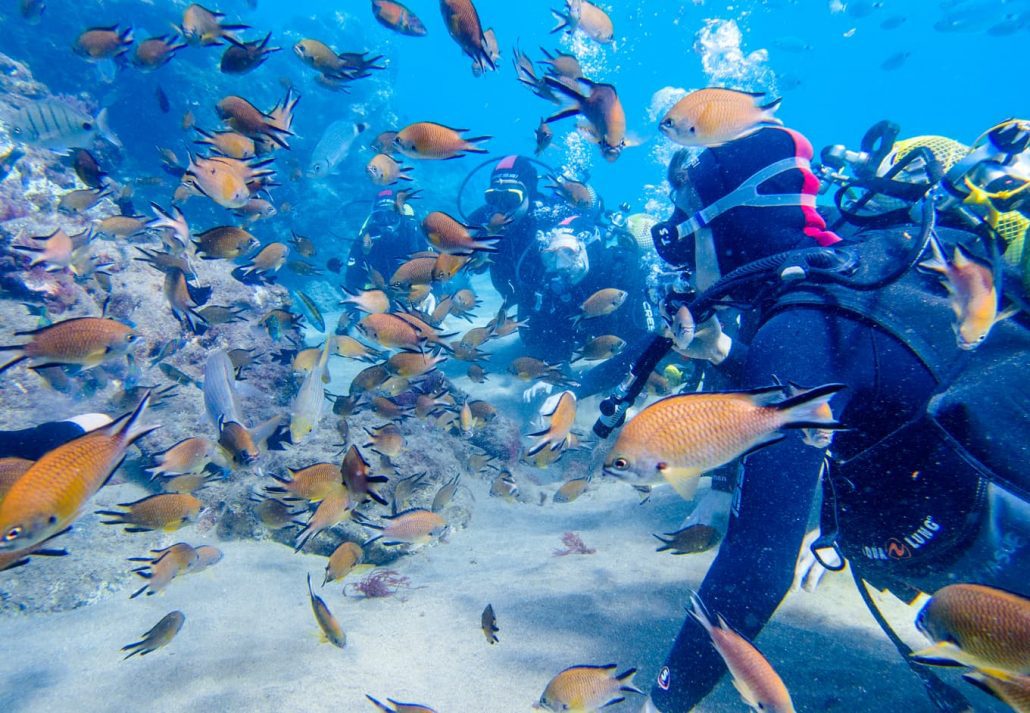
{"x":549,"y":261}
{"x":387,"y":239}
{"x":513,"y":193}
{"x":919,"y":492}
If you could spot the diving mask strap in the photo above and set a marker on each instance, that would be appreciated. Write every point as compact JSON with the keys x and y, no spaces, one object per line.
{"x":746,"y":195}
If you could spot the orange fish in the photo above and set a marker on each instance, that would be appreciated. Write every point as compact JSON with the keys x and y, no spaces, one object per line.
{"x":205,"y":27}
{"x":1010,"y":688}
{"x":390,"y":331}
{"x":383,"y":170}
{"x":332,"y":632}
{"x":83,"y":341}
{"x":10,"y":470}
{"x":103,"y":43}
{"x":711,"y":117}
{"x":464,"y":27}
{"x":247,"y":119}
{"x":190,"y":455}
{"x":601,"y":107}
{"x":411,"y":527}
{"x":427,"y":140}
{"x":312,"y":483}
{"x":451,"y":237}
{"x":358,"y":479}
{"x":51,"y":494}
{"x":156,"y":52}
{"x":601,"y":303}
{"x":979,"y":626}
{"x":343,"y":561}
{"x":583,"y":689}
{"x":681,"y":437}
{"x":561,"y":419}
{"x":335,"y":507}
{"x":753,"y":677}
{"x":394,"y":16}
{"x":163,"y":567}
{"x":161,"y":635}
{"x":973,"y":295}
{"x":165,"y":511}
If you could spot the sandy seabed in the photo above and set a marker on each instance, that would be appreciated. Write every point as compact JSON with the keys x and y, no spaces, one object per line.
{"x":250,"y":642}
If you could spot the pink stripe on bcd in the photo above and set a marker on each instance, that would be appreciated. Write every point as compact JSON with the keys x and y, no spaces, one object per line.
{"x":815,"y":226}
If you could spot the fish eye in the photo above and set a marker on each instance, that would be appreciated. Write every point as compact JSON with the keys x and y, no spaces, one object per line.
{"x":87,"y":126}
{"x":667,"y":123}
{"x":693,"y":129}
{"x":17,"y":130}
{"x":13,"y":534}
{"x":620,"y":464}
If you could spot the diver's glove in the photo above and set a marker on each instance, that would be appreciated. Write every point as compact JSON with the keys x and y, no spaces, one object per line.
{"x":710,"y":343}
{"x":535,"y":390}
{"x":808,"y":571}
{"x":712,"y":509}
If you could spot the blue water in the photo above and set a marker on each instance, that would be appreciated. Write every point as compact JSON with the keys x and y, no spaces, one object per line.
{"x":955,"y":83}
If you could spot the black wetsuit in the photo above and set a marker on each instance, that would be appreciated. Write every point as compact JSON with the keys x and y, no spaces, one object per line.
{"x":908,"y":514}
{"x":550,"y":306}
{"x":387,"y":252}
{"x":32,"y":443}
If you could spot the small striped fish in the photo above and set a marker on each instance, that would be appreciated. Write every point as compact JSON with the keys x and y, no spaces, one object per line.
{"x":53,"y":124}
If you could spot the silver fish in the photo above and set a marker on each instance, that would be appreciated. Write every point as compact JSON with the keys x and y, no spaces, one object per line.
{"x":221,"y":396}
{"x":333,"y":147}
{"x":307,"y":408}
{"x":56,"y":125}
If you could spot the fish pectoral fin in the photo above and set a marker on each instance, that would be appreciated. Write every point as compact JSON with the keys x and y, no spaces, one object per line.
{"x":943,"y":653}
{"x":1011,"y":311}
{"x":683,"y":480}
{"x":746,"y":694}
{"x":768,"y":441}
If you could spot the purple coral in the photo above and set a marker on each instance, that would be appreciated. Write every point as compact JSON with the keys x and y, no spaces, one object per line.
{"x":381,"y":583}
{"x":574,"y":545}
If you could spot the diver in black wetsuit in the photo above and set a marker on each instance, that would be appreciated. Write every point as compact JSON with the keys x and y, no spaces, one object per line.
{"x":386,"y":240}
{"x":903,"y":501}
{"x":548,"y":262}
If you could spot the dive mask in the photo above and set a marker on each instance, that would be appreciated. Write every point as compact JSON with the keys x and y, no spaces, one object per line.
{"x":505,"y":200}
{"x":565,"y":253}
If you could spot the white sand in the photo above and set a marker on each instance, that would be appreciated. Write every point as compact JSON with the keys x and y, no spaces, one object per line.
{"x":250,"y":641}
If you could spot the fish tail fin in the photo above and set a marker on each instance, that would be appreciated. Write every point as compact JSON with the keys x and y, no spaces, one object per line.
{"x":809,"y":409}
{"x":14,"y":361}
{"x":127,"y":426}
{"x":192,"y":320}
{"x":939,"y":262}
{"x":700,"y":613}
{"x":306,"y":533}
{"x":771,"y":107}
{"x":105,"y":129}
{"x":382,"y":707}
{"x":564,"y":21}
{"x":627,"y":677}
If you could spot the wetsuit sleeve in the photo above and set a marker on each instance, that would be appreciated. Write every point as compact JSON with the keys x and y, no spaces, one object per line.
{"x":32,"y":443}
{"x":769,"y":517}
